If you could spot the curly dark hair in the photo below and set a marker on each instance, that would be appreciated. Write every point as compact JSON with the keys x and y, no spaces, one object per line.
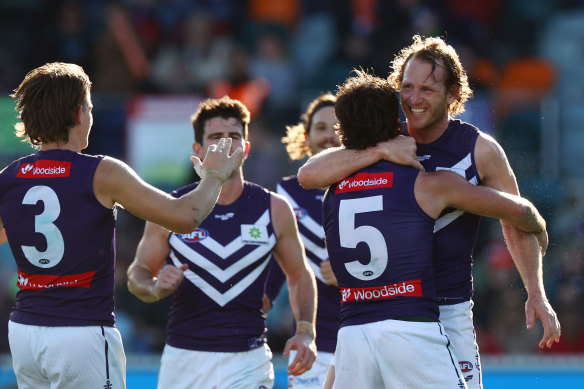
{"x":368,"y":111}
{"x":46,"y":100}
{"x":295,"y":139}
{"x":224,"y":107}
{"x":435,"y":51}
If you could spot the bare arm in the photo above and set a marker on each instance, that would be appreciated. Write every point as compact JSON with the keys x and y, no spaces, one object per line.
{"x":115,"y":182}
{"x":330,"y":378}
{"x":334,"y":164}
{"x":148,"y":279}
{"x":289,"y":252}
{"x":525,"y":249}
{"x":439,"y":190}
{"x":3,"y":238}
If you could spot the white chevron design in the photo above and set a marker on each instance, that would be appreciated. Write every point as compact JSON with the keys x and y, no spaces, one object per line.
{"x":309,"y":245}
{"x":316,"y":269}
{"x":224,"y":252}
{"x":230,"y":248}
{"x":214,"y":270}
{"x":460,"y":169}
{"x":223,"y":298}
{"x":306,"y":221}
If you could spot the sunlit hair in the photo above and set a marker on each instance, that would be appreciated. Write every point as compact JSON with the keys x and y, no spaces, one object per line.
{"x":46,"y":101}
{"x":295,"y":139}
{"x":368,"y":111}
{"x":225,"y":108}
{"x":436,"y":52}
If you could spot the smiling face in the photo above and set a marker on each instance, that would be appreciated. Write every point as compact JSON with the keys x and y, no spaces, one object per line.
{"x":425,"y":98}
{"x":321,"y":134}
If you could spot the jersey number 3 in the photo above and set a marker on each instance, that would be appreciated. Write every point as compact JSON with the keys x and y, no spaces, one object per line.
{"x":43,"y":224}
{"x":350,"y":237}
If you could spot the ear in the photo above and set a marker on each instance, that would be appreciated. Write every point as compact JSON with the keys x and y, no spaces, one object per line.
{"x":77,"y":115}
{"x":246,"y":149}
{"x":453,"y":93}
{"x":198,"y":150}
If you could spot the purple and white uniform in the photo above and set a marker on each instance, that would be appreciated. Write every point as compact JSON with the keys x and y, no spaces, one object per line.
{"x":62,"y":239}
{"x":307,"y":206}
{"x":380,"y":245}
{"x":455,"y":235}
{"x":217,"y":309}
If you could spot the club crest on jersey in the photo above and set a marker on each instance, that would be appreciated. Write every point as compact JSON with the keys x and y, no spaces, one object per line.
{"x":300,"y":213}
{"x":363,"y":181}
{"x":254,"y":234}
{"x":44,"y":168}
{"x":195,"y":236}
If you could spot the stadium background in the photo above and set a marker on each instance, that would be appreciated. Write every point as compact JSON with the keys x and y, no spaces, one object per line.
{"x":152,"y":61}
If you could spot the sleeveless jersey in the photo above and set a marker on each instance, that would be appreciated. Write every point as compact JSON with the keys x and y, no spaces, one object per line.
{"x":380,"y":245}
{"x":455,"y":232}
{"x":218,"y":306}
{"x":62,"y":239}
{"x":307,"y":206}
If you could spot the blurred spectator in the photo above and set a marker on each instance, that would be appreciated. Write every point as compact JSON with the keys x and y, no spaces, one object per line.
{"x":187,"y":63}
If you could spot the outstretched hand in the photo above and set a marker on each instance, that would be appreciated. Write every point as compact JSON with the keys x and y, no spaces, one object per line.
{"x":541,"y":308}
{"x":218,"y":163}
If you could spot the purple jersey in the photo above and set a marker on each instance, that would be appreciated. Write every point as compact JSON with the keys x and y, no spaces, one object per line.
{"x":218,"y":306}
{"x":455,"y":232}
{"x":379,"y":242}
{"x":307,"y":206}
{"x":62,"y":239}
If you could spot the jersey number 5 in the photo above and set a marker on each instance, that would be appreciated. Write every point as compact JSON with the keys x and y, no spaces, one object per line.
{"x":43,"y":224}
{"x":350,"y":237}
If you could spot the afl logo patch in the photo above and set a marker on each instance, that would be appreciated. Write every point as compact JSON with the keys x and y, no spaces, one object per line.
{"x":300,"y":213}
{"x":465,"y":366}
{"x":195,"y":236}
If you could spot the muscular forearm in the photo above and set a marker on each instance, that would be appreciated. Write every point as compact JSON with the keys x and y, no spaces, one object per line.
{"x":142,"y":284}
{"x":334,"y":164}
{"x":200,"y":202}
{"x":526,"y":253}
{"x":302,"y":294}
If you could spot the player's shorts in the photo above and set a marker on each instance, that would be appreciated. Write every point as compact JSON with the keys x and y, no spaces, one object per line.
{"x":395,"y":354}
{"x":457,"y":320}
{"x":67,"y":357}
{"x":313,"y":378}
{"x":187,"y":369}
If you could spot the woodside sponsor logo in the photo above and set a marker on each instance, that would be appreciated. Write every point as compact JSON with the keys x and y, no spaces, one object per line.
{"x":44,"y":168}
{"x":364,"y":181}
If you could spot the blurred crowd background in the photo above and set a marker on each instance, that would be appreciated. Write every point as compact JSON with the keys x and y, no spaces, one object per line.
{"x":523,"y":57}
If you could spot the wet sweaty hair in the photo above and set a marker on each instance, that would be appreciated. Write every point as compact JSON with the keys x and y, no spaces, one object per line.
{"x":225,"y":108}
{"x":368,"y":111}
{"x":436,"y":52}
{"x":47,"y":99}
{"x":295,"y":139}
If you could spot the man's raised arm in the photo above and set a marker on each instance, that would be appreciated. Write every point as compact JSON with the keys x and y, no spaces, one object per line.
{"x":334,"y":164}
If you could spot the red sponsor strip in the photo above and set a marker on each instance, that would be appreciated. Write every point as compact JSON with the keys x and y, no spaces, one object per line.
{"x":44,"y":168}
{"x":40,"y":282}
{"x":401,"y":289}
{"x":364,"y":181}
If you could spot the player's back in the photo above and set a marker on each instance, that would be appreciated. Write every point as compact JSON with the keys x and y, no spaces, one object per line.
{"x":380,"y":245}
{"x":62,"y":239}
